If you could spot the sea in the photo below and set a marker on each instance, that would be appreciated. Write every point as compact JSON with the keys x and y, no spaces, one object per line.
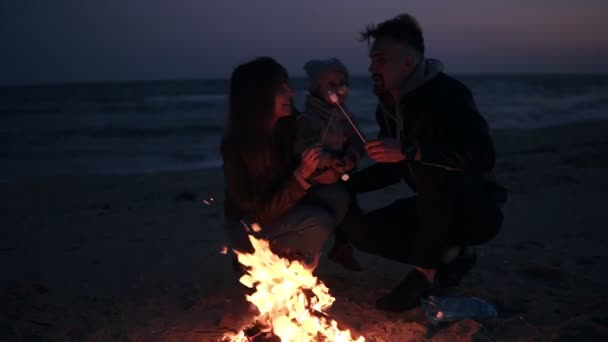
{"x":159,"y":126}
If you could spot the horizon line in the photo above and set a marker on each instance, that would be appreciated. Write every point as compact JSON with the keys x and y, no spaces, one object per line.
{"x":298,"y":76}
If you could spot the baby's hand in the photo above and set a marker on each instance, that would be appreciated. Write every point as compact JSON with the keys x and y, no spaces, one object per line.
{"x":343,"y":165}
{"x":328,"y":176}
{"x":325,"y":160}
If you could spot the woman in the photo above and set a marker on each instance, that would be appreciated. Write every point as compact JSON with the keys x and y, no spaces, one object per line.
{"x":265,"y":183}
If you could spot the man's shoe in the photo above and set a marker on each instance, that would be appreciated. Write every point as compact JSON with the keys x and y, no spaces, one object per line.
{"x":407,"y":294}
{"x":451,"y":274}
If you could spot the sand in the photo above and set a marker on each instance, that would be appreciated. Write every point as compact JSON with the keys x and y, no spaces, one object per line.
{"x":136,"y":257}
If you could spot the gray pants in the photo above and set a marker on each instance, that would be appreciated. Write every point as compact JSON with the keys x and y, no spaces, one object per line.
{"x":302,"y":230}
{"x":333,"y":197}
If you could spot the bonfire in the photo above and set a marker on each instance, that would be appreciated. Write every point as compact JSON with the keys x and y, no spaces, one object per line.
{"x":291,"y":301}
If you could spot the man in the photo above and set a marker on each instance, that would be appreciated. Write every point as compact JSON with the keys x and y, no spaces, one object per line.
{"x":433,"y":137}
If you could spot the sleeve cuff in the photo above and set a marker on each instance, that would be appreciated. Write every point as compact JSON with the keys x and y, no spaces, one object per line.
{"x":412,"y":152}
{"x":303,"y":183}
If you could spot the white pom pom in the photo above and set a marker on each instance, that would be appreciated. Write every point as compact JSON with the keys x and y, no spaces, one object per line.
{"x":345,"y":177}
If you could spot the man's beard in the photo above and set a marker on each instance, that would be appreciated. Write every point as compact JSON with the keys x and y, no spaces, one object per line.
{"x":379,"y":86}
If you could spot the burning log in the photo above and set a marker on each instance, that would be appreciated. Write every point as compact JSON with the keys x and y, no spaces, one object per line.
{"x":259,"y":332}
{"x":290,"y":300}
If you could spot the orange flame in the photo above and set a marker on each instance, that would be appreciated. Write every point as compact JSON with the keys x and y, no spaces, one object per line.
{"x":290,"y":300}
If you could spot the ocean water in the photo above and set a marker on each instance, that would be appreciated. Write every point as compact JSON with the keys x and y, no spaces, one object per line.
{"x":176,"y":125}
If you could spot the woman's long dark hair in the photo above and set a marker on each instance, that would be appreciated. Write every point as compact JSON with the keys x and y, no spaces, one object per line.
{"x":253,"y":88}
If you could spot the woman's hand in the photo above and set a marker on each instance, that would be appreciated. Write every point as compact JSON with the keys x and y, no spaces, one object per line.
{"x":309,"y":162}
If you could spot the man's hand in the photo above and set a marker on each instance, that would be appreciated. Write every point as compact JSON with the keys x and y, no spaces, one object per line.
{"x":328,"y":176}
{"x":385,"y":150}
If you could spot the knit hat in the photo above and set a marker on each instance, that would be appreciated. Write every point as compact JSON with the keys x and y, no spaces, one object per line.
{"x":315,"y":68}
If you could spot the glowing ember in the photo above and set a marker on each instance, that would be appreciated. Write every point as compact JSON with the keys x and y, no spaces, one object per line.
{"x":224,"y":250}
{"x":290,"y":300}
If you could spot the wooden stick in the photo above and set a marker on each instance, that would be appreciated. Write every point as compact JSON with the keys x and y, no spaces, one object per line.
{"x":352,"y":124}
{"x":334,"y":98}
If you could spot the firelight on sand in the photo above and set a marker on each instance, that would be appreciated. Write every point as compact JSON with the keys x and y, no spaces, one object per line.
{"x":290,"y":300}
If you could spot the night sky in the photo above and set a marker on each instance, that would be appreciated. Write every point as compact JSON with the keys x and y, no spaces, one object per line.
{"x":85,"y":40}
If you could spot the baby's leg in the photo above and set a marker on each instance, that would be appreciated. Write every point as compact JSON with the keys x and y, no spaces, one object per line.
{"x":334,"y":197}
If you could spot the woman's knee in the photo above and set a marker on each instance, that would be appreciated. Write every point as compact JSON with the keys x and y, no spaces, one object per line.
{"x":308,"y":230}
{"x":318,"y":221}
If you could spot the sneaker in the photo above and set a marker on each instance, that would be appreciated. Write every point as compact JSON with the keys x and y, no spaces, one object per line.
{"x":451,"y":274}
{"x":407,"y":294}
{"x":342,"y":254}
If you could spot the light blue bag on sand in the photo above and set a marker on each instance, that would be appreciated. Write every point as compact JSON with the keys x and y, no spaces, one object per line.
{"x":455,"y":308}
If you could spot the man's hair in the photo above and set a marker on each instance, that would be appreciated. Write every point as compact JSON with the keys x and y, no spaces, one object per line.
{"x":403,"y":28}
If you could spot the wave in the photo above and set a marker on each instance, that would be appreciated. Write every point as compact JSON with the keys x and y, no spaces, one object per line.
{"x":126,"y":131}
{"x":181,"y":99}
{"x":109,"y":104}
{"x":533,"y":111}
{"x":160,"y":126}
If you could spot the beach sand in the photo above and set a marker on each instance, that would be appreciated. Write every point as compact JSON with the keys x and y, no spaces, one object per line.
{"x":137,"y":257}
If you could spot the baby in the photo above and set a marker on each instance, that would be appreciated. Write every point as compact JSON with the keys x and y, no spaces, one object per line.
{"x":322,"y":122}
